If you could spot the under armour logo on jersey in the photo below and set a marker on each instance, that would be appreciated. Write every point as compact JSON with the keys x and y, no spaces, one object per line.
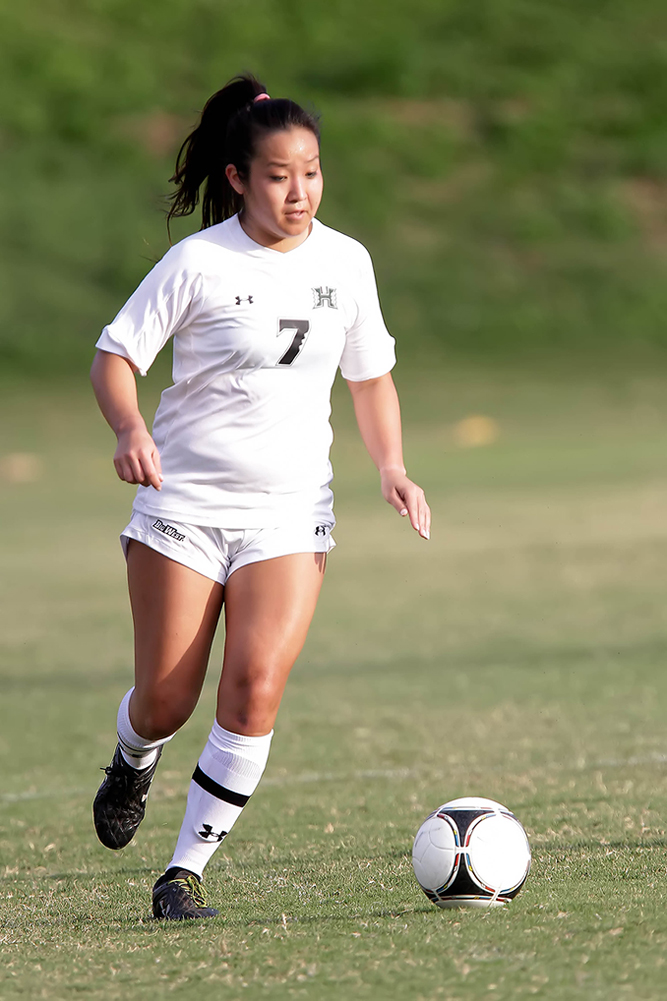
{"x":241,"y":298}
{"x":321,"y":529}
{"x":210,"y":835}
{"x":324,"y":295}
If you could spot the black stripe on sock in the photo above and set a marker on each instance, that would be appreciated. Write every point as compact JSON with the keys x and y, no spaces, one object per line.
{"x":207,"y":783}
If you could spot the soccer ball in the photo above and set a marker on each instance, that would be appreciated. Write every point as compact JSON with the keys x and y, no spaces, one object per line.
{"x":471,"y":852}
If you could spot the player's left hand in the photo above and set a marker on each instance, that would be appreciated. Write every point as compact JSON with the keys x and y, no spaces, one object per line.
{"x":408,"y":499}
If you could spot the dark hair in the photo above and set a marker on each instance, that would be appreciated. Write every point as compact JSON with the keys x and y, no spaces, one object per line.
{"x":230,"y":125}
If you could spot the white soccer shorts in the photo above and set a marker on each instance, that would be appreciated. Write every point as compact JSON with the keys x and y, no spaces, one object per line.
{"x":217,"y":552}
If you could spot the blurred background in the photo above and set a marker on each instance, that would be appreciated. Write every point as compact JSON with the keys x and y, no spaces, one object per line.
{"x":505,"y":161}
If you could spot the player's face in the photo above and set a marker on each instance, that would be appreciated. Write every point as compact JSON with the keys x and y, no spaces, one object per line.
{"x":284,"y":189}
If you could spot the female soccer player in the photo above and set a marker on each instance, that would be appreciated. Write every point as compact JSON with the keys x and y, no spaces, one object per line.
{"x":233,"y":504}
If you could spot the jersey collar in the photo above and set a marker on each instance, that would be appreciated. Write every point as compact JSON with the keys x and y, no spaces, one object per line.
{"x":250,"y":246}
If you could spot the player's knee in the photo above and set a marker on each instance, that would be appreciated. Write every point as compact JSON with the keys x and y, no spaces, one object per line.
{"x":254,"y":702}
{"x":162,"y":715}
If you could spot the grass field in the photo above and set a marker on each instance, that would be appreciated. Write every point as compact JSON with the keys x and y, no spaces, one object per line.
{"x":519,"y":655}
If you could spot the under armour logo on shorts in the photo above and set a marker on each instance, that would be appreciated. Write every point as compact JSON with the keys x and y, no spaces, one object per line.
{"x":321,"y":529}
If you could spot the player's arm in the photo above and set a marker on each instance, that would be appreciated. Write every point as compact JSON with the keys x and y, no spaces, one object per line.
{"x":379,"y":419}
{"x":137,"y":460}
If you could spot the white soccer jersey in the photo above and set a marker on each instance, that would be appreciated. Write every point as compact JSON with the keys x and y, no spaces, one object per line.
{"x":244,"y":433}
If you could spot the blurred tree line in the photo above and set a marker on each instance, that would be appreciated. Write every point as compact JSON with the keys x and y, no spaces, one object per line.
{"x":505,"y":161}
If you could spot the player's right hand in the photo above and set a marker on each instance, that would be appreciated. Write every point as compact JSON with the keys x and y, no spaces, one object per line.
{"x":137,"y":459}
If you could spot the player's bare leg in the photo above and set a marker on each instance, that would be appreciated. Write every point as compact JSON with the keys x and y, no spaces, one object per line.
{"x":175,"y":611}
{"x":268,"y":608}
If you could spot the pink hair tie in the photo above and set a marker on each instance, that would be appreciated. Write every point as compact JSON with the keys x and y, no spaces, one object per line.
{"x":261,"y":97}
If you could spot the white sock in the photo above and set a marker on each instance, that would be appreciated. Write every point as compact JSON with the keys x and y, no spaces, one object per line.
{"x":137,"y":751}
{"x":227,"y":774}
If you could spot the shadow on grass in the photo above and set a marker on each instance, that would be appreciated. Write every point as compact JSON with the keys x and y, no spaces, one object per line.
{"x":101,"y":874}
{"x":142,"y":922}
{"x":307,"y":920}
{"x":589,"y":844}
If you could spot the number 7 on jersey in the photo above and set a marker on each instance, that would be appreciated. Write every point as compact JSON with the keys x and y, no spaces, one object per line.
{"x":300,"y":328}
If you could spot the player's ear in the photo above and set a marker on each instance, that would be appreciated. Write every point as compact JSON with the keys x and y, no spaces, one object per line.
{"x":232,"y":175}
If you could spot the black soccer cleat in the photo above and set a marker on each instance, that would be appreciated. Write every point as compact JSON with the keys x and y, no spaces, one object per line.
{"x":120,"y":804}
{"x":179,"y":896}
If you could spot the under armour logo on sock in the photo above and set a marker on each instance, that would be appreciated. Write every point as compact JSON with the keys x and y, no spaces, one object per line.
{"x":244,"y":298}
{"x":209,"y":834}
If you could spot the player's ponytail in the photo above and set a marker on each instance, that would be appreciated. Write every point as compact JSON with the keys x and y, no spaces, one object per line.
{"x":230,"y":125}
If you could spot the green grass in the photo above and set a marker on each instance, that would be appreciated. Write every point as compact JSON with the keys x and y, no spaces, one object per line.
{"x":519,"y":655}
{"x":504,"y":160}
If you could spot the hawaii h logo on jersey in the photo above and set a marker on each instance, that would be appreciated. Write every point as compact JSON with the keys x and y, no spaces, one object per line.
{"x":325,"y":296}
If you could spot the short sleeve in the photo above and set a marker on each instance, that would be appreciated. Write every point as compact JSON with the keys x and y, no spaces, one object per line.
{"x":168,"y":298}
{"x":369,"y":347}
